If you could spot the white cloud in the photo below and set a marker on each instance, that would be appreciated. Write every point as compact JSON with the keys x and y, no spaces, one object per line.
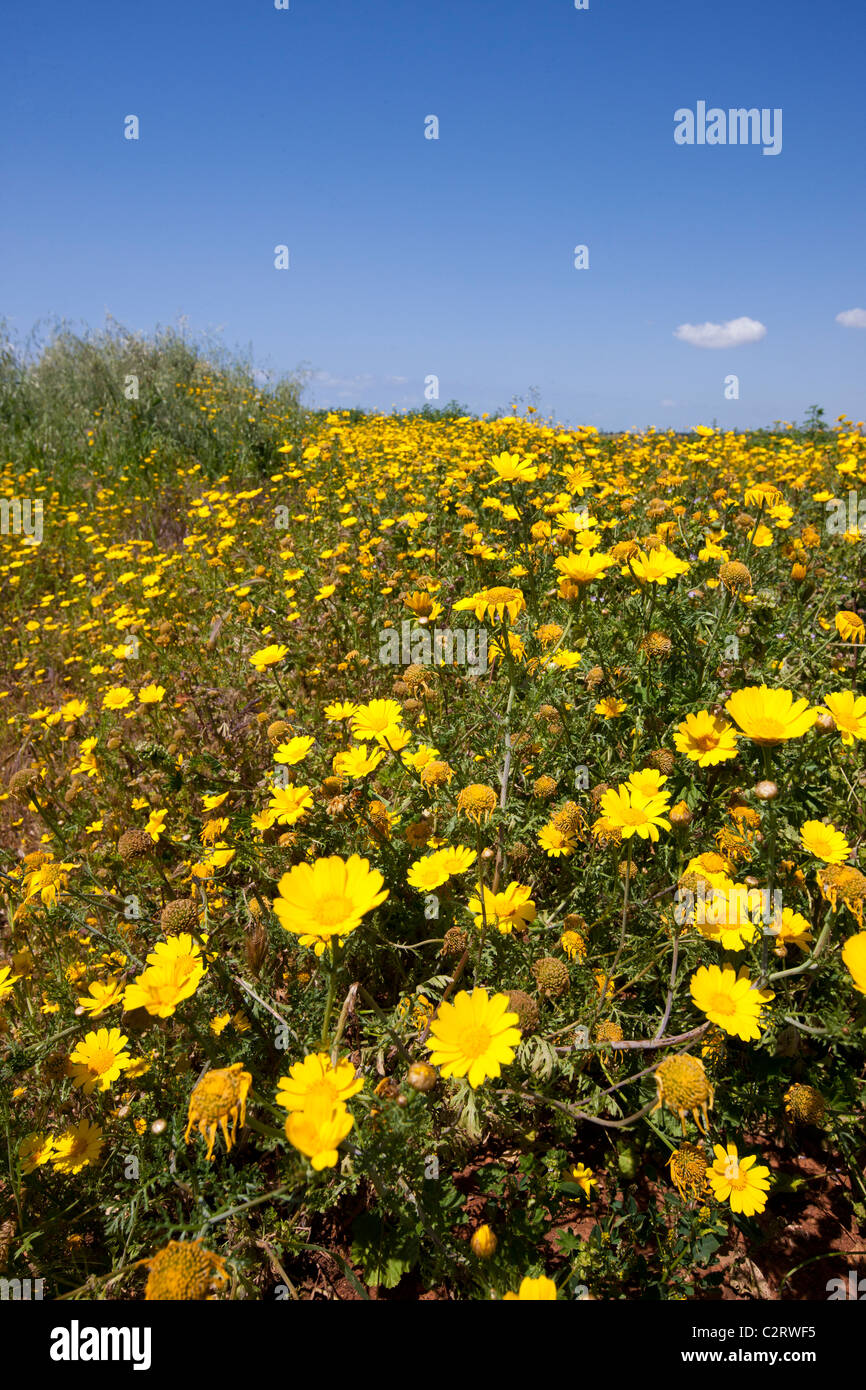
{"x":721,"y":335}
{"x":667,"y":402}
{"x":852,"y":318}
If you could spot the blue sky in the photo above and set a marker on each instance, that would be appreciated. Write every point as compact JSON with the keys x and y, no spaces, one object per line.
{"x":453,"y":257}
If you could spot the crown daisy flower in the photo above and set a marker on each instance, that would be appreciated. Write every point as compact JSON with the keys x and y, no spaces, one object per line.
{"x":294,"y":750}
{"x":456,"y":859}
{"x":540,"y":1290}
{"x":474,"y":1037}
{"x":268,"y":656}
{"x":318,"y":1130}
{"x":220,"y":1097}
{"x":724,"y":915}
{"x":327,"y":899}
{"x":730,"y":1000}
{"x":99,"y":1059}
{"x":495,"y":603}
{"x":357,"y":762}
{"x":706,"y":739}
{"x":33,"y":1151}
{"x":854,"y":956}
{"x":373,"y":719}
{"x":688,"y":1167}
{"x":770,"y":716}
{"x":511,"y":908}
{"x":738,"y":1181}
{"x":315,"y":1076}
{"x":77,"y":1148}
{"x":183,"y":1271}
{"x":160,"y":988}
{"x":825,"y":842}
{"x":804,"y":1105}
{"x":849,"y":714}
{"x":290,"y":804}
{"x":556,"y":843}
{"x":511,"y":468}
{"x":428,"y":873}
{"x":843,"y":881}
{"x":7,"y":980}
{"x":683,"y":1087}
{"x":580,"y":568}
{"x":850,"y":626}
{"x":657,"y":566}
{"x":632,"y":813}
{"x":477,"y":802}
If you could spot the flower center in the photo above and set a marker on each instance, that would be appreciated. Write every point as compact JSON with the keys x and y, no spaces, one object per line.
{"x":475,"y":1041}
{"x":101,"y":1061}
{"x":723,"y":1004}
{"x":330,"y":911}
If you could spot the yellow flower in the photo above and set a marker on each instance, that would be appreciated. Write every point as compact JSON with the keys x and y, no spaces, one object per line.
{"x":374,"y":718}
{"x":316,"y":1077}
{"x":183,"y":1271}
{"x":610,"y":707}
{"x":738,"y":1181}
{"x":456,"y":859}
{"x":117,"y":698}
{"x":219,"y":1097}
{"x":47,"y":882}
{"x":849,"y":714}
{"x":34,"y":1150}
{"x":854,"y":956}
{"x":7,"y":980}
{"x":683,"y":1087}
{"x":341,"y":709}
{"x":762,"y":495}
{"x":294,"y":751}
{"x":268,"y":656}
{"x":850,"y":626}
{"x":511,"y":468}
{"x":537,"y":1290}
{"x":151,"y":695}
{"x":428,"y":873}
{"x":161,"y":988}
{"x":579,"y":568}
{"x":584,"y":1178}
{"x":656,"y":566}
{"x":770,"y":716}
{"x":648,"y":781}
{"x":631,"y":813}
{"x":494,"y":602}
{"x":706,"y":739}
{"x":555,"y":842}
{"x":99,"y":1059}
{"x":357,"y":762}
{"x":318,"y":1129}
{"x":290,"y":804}
{"x":424,"y":606}
{"x":154,"y":825}
{"x":474,"y":1037}
{"x":511,"y":908}
{"x":729,"y":1000}
{"x":73,"y":709}
{"x":477,"y":801}
{"x":328,"y":898}
{"x":77,"y":1147}
{"x":825,"y":842}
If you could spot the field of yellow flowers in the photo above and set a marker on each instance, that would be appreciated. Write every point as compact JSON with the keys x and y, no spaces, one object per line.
{"x":428,"y":849}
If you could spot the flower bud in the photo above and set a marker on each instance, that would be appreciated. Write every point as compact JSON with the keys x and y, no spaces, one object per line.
{"x":766,"y":791}
{"x":421,"y":1076}
{"x":483,"y":1243}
